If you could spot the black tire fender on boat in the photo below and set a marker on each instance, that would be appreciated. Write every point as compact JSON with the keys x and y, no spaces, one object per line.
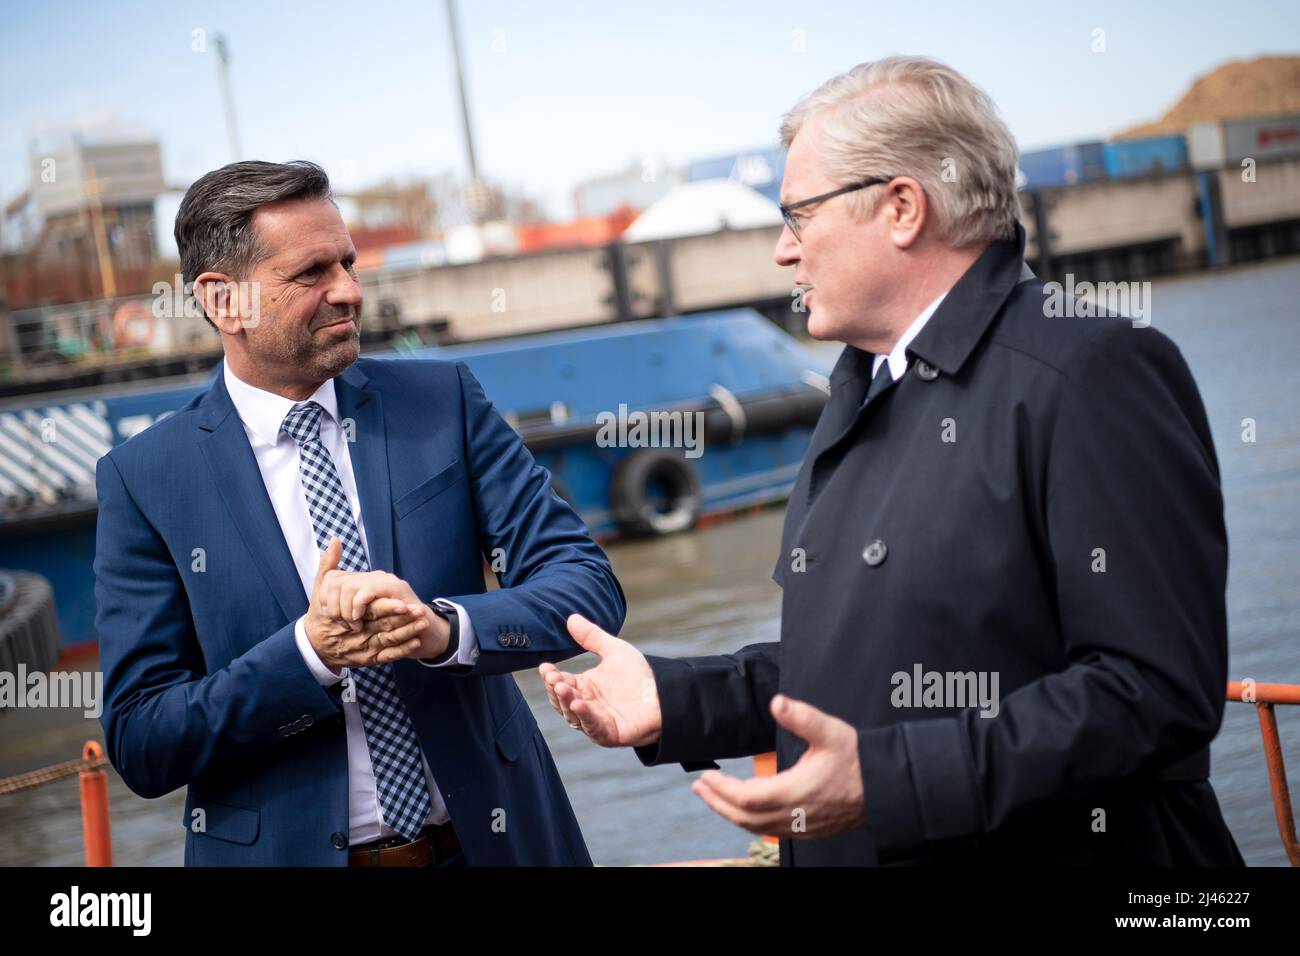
{"x":29,"y":624}
{"x":629,"y":493}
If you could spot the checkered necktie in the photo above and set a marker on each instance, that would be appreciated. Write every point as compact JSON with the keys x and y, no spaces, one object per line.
{"x":394,"y":750}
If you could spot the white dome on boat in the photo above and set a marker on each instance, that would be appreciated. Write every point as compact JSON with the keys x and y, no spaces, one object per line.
{"x":698,"y":208}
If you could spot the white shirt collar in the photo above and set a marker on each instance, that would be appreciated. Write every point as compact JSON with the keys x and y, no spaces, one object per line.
{"x":263,"y":412}
{"x":898,"y":355}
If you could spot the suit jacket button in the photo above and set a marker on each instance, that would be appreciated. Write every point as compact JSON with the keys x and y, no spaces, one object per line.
{"x":306,"y":720}
{"x":504,"y":640}
{"x":339,"y":841}
{"x":283,"y":730}
{"x":526,"y":640}
{"x":874,"y":553}
{"x":925,"y":371}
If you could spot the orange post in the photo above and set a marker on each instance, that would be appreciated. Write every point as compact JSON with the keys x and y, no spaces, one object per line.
{"x":94,"y":810}
{"x":765,"y":766}
{"x":1277,"y":781}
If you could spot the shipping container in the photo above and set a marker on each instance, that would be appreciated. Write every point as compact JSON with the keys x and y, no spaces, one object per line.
{"x":575,"y":234}
{"x":1215,"y":145}
{"x":1205,"y":149}
{"x":1063,"y":165}
{"x":415,"y":255}
{"x":759,"y":169}
{"x":1145,"y":157}
{"x":1262,"y":138}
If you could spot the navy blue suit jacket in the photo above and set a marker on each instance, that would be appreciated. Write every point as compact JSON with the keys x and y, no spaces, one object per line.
{"x":197,"y":598}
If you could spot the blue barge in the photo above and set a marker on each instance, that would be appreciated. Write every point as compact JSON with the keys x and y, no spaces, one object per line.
{"x":647,"y":427}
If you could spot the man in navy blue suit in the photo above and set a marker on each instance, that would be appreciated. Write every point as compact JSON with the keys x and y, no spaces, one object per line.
{"x":291,"y":610}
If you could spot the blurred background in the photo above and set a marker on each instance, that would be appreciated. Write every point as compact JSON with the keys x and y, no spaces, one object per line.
{"x":579,"y":200}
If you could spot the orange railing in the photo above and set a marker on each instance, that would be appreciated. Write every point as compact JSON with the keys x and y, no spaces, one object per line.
{"x":1265,"y":697}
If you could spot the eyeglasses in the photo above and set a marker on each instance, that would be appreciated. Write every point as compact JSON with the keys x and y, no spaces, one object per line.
{"x":788,"y":210}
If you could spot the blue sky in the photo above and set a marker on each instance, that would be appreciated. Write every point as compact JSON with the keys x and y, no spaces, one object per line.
{"x":562,"y":91}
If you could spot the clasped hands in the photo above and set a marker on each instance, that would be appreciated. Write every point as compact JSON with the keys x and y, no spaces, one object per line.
{"x":368,"y":618}
{"x":616,"y":704}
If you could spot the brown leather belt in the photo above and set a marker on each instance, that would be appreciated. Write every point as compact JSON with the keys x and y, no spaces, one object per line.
{"x":435,"y":843}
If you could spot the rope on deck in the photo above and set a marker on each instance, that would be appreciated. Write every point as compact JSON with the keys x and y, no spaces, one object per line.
{"x":58,"y":771}
{"x":762,"y":853}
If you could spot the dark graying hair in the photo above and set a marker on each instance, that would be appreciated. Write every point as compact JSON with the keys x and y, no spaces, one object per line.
{"x":213,"y":230}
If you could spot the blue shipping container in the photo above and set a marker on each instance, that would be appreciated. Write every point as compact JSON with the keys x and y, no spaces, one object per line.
{"x":1063,"y":165}
{"x":760,"y":169}
{"x":1144,"y":157}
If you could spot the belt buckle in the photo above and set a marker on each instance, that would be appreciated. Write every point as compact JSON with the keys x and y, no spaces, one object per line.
{"x":388,"y":843}
{"x":430,"y":835}
{"x":375,"y":847}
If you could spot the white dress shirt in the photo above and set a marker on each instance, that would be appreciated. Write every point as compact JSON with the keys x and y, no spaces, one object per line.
{"x":898,"y":354}
{"x":262,"y":413}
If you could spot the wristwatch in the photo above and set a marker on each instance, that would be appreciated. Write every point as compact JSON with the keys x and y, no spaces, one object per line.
{"x":449,"y":615}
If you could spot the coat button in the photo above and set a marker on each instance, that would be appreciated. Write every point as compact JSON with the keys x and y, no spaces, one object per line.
{"x":925,"y":371}
{"x":874,"y":553}
{"x":339,"y":841}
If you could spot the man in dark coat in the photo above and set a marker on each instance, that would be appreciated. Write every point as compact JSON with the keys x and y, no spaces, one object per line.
{"x":1003,"y":634}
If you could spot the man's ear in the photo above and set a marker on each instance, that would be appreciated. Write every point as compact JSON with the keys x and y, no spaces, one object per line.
{"x":219,"y":296}
{"x":907,"y":211}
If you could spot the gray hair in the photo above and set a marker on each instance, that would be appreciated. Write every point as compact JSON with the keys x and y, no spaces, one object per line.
{"x":213,"y":229}
{"x":914,"y":116}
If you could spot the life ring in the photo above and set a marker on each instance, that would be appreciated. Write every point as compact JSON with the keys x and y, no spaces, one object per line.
{"x":127,"y":324}
{"x":655,"y":491}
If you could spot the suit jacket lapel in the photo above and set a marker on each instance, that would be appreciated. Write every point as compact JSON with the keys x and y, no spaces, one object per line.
{"x":363,"y":407}
{"x":850,"y":381}
{"x":230,"y":458}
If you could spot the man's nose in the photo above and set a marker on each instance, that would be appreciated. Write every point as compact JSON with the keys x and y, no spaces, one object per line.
{"x":787,"y":248}
{"x":344,"y":290}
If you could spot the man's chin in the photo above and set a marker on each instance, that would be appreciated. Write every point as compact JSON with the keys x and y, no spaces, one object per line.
{"x":337,"y":357}
{"x":818,"y":327}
